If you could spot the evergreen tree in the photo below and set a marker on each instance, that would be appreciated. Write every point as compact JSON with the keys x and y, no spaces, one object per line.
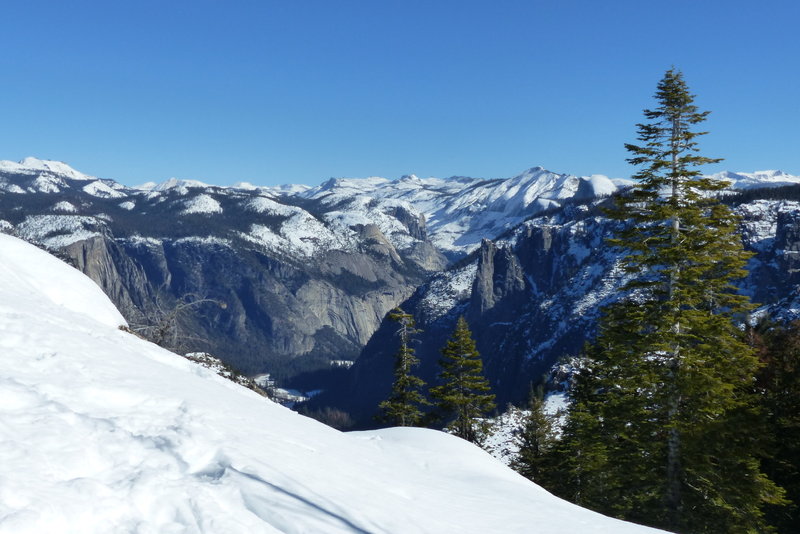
{"x":536,"y":440}
{"x":463,"y":397}
{"x":658,"y":432}
{"x":402,"y":408}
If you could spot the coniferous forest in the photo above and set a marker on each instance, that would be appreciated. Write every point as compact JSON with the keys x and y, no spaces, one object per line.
{"x":685,"y":410}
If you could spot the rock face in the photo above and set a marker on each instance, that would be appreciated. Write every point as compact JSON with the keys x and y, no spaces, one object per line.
{"x":499,"y":280}
{"x":265,"y":283}
{"x":536,"y":296}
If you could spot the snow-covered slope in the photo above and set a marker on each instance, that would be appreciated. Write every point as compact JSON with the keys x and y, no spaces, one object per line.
{"x":103,"y":432}
{"x":32,"y":165}
{"x":758,"y":179}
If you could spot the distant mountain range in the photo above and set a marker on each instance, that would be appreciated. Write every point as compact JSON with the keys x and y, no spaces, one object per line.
{"x":305,"y":275}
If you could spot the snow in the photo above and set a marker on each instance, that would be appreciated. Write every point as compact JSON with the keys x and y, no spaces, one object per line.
{"x":503,"y":438}
{"x":206,"y":240}
{"x":65,"y":207}
{"x":28,"y":273}
{"x":447,"y":289}
{"x":102,"y":190}
{"x":182,"y":186}
{"x":758,"y":179}
{"x":275,"y":190}
{"x":46,"y":183}
{"x":35,"y":166}
{"x":202,"y":204}
{"x":362,"y":210}
{"x":299,"y":234}
{"x":10,"y":188}
{"x":103,"y":432}
{"x":56,"y":231}
{"x":127,"y":205}
{"x":268,"y":206}
{"x":147,"y":186}
{"x":601,"y":185}
{"x":556,"y":404}
{"x":459,"y":212}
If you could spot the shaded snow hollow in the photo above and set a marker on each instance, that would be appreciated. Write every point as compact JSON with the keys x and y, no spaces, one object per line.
{"x":102,"y":432}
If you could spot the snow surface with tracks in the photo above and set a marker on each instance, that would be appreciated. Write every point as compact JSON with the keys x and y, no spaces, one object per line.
{"x":103,"y":432}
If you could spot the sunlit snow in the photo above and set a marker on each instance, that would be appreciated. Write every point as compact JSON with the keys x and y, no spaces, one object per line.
{"x":57,"y":231}
{"x":102,"y":190}
{"x":103,"y":432}
{"x":35,"y":166}
{"x":64,"y":206}
{"x":202,"y":204}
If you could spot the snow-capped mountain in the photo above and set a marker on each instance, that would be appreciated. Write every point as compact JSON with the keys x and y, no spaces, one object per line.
{"x":297,"y":286}
{"x":298,"y":277}
{"x":758,"y":179}
{"x":304,"y":272}
{"x":459,"y":212}
{"x":104,"y":432}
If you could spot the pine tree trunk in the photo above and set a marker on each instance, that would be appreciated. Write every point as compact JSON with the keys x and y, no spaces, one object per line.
{"x":673,"y":490}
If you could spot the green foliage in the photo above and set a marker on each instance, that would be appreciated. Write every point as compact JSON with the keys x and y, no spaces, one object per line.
{"x":463,"y":397}
{"x":537,"y":440}
{"x":779,"y":384}
{"x":402,"y":408}
{"x":661,"y":429}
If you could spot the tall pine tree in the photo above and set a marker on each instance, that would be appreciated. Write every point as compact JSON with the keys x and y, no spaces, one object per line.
{"x":463,"y":398}
{"x":658,"y":431}
{"x":402,"y":408}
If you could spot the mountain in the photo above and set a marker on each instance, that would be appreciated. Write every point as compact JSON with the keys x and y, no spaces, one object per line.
{"x":290,"y":278}
{"x":460,"y":212}
{"x":534,"y":295}
{"x":283,"y":284}
{"x":104,"y":432}
{"x":757,"y":180}
{"x":293,"y":280}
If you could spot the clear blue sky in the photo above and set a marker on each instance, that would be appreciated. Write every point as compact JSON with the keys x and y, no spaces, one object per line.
{"x":296,"y":91}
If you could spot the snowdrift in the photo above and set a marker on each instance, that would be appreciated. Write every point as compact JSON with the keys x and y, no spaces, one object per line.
{"x":103,"y":432}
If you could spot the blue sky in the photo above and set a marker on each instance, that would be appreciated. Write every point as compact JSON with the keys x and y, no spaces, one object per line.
{"x":299,"y":90}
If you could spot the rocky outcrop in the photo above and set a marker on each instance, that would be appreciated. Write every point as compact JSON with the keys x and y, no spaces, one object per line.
{"x":498,"y":279}
{"x":787,"y":242}
{"x":537,"y":295}
{"x":115,"y":271}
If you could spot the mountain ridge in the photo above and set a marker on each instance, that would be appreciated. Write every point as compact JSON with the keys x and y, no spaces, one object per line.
{"x":307,"y":274}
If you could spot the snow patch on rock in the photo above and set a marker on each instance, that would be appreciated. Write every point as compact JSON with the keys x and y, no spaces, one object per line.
{"x":444,"y":291}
